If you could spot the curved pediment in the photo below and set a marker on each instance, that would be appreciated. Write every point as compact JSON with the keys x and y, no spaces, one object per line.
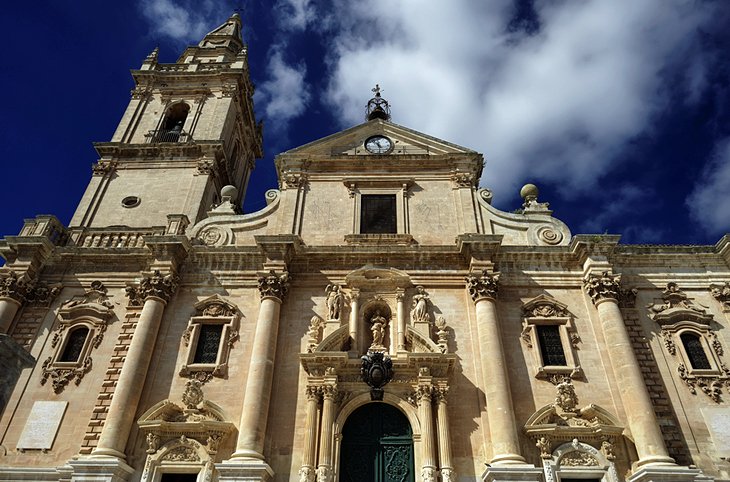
{"x":376,"y":277}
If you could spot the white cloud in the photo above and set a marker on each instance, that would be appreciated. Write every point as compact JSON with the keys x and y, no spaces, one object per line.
{"x":183,"y":21}
{"x":295,"y":14}
{"x":284,"y":93}
{"x":558,"y":106}
{"x":709,"y":202}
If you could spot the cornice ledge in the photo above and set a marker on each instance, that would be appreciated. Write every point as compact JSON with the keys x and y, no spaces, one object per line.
{"x":584,"y":246}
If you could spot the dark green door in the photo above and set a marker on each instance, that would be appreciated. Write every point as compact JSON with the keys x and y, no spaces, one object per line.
{"x":377,"y":446}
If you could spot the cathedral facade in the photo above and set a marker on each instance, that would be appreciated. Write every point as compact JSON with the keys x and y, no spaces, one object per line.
{"x":378,"y":320}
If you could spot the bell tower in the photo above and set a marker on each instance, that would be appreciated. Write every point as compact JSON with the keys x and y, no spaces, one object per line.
{"x":189,"y":130}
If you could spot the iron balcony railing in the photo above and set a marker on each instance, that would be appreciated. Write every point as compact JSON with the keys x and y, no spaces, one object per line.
{"x":167,"y":135}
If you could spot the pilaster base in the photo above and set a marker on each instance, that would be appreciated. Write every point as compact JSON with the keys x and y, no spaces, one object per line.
{"x":668,"y":473}
{"x":244,"y":470}
{"x":512,"y":472}
{"x":100,"y":469}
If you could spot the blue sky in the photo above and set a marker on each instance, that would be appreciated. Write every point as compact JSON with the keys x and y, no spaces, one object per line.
{"x":619,"y":111}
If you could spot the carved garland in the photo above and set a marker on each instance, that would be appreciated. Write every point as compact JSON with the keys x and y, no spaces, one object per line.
{"x":211,"y":311}
{"x":677,"y":314}
{"x":546,"y":311}
{"x":91,"y":312}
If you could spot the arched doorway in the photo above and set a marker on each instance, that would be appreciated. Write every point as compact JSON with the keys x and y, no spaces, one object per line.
{"x":377,"y":446}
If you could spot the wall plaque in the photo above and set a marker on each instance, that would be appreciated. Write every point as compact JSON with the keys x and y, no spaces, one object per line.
{"x":42,"y":425}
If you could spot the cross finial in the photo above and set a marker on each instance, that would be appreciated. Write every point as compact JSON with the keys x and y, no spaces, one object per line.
{"x":376,"y":90}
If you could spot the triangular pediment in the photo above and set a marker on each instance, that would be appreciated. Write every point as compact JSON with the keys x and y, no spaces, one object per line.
{"x":351,"y":142}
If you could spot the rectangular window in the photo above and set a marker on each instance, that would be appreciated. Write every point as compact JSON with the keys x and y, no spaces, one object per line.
{"x":378,"y":214}
{"x":209,"y":341}
{"x":551,"y":346}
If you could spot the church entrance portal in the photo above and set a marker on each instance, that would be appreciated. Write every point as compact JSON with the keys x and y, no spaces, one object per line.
{"x":377,"y":445}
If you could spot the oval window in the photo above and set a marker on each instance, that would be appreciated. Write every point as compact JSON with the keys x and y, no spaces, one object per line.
{"x":130,"y":201}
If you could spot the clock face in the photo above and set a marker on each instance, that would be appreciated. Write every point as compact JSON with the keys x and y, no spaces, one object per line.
{"x":378,"y":145}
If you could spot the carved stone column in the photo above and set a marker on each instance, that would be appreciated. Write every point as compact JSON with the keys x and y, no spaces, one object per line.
{"x":155,"y":291}
{"x":329,"y":400}
{"x":425,"y":414}
{"x":444,"y":437}
{"x":502,"y":427}
{"x":252,"y":429}
{"x":11,"y":299}
{"x":307,"y":472}
{"x":401,"y":318}
{"x":354,"y":313}
{"x":604,"y":291}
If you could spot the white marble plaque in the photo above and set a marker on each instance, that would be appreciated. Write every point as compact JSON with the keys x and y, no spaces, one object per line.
{"x":718,"y":421}
{"x":42,"y":425}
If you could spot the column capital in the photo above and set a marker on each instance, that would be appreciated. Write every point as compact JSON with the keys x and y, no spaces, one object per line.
{"x":482,"y":287}
{"x":157,"y":286}
{"x":602,"y":287}
{"x":313,"y":392}
{"x":12,"y":288}
{"x":273,"y":285}
{"x":329,"y":392}
{"x":442,"y":394}
{"x":424,"y":394}
{"x":21,"y":290}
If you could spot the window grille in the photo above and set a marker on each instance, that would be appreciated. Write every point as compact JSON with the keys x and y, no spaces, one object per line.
{"x":551,"y":346}
{"x":74,"y":345}
{"x":695,"y":352}
{"x":209,"y":341}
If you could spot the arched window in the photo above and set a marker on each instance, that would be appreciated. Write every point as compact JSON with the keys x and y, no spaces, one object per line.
{"x":695,"y":352}
{"x":173,"y":123}
{"x":74,"y":344}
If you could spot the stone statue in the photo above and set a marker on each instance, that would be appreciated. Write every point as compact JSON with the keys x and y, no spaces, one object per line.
{"x":378,"y":328}
{"x":419,"y":313}
{"x":335,"y":301}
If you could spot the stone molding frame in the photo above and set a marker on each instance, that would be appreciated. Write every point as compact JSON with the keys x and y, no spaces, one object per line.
{"x":92,"y":312}
{"x":183,"y":440}
{"x":678,"y":315}
{"x":212,"y":311}
{"x":356,"y":187}
{"x":546,"y":311}
{"x":580,"y":461}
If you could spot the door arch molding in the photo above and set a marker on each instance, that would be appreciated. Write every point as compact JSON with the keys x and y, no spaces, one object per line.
{"x":364,"y":399}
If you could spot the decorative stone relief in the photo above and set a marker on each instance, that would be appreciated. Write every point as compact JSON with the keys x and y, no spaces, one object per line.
{"x":335,"y":301}
{"x":420,"y":306}
{"x":158,"y":286}
{"x":484,"y":286}
{"x":201,"y":425}
{"x":578,"y":459}
{"x":567,"y":399}
{"x":544,"y":311}
{"x":376,"y":370}
{"x":27,"y":291}
{"x":603,"y":287}
{"x":722,"y":294}
{"x":442,"y":334}
{"x":428,"y":474}
{"x":682,"y":319}
{"x":222,"y":317}
{"x":101,"y":168}
{"x":273,"y":285}
{"x":543,"y":443}
{"x":89,"y":316}
{"x":314,"y":334}
{"x":293,"y":180}
{"x":462,"y":179}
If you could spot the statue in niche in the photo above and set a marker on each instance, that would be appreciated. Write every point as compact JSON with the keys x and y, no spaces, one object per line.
{"x":335,"y":301}
{"x":419,"y":313}
{"x":378,"y":323}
